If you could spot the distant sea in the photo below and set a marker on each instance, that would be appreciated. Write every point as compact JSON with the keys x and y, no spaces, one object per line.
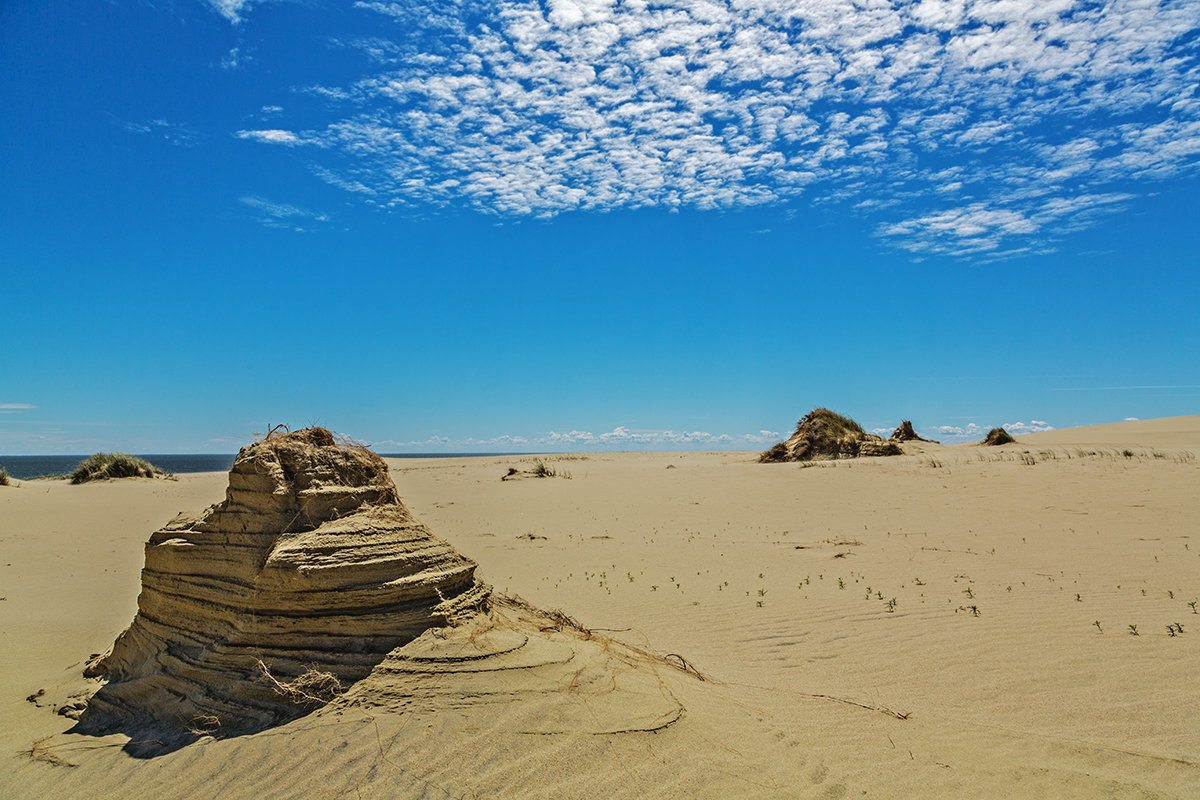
{"x":25,"y":467}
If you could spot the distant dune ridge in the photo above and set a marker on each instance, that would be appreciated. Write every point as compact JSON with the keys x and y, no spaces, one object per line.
{"x":310,"y":565}
{"x":823,"y":434}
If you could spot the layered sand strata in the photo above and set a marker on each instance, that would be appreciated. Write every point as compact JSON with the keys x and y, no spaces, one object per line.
{"x":311,"y":564}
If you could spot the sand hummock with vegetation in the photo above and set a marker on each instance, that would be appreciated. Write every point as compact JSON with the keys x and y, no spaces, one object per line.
{"x":822,"y":434}
{"x":955,"y":621}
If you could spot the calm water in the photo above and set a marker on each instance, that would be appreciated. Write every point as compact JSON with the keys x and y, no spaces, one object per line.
{"x":22,"y":467}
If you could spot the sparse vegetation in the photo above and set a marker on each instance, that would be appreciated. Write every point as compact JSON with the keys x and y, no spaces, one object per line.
{"x":103,"y":466}
{"x":1133,"y":631}
{"x":539,"y":470}
{"x":4,"y":479}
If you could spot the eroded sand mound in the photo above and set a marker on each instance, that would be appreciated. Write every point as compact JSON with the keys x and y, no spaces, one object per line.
{"x":822,"y":434}
{"x":548,"y":673}
{"x":905,"y":433}
{"x":311,"y":565}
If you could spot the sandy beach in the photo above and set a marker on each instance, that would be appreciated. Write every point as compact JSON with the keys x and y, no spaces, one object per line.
{"x":954,"y":622}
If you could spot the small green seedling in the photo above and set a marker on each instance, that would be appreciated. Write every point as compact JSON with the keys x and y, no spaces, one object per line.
{"x":1193,"y":606}
{"x":1078,"y":599}
{"x":891,"y":605}
{"x":1133,"y":630}
{"x":974,"y":610}
{"x":968,"y":592}
{"x":841,"y":584}
{"x":1097,"y":624}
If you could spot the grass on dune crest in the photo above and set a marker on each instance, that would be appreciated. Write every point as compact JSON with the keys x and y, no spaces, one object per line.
{"x":102,"y":466}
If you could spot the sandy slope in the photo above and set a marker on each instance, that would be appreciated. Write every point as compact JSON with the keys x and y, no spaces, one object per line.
{"x":1168,"y":433}
{"x":756,"y":574}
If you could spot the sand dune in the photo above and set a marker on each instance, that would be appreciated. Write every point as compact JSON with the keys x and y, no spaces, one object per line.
{"x":1168,"y":433}
{"x":916,"y":626}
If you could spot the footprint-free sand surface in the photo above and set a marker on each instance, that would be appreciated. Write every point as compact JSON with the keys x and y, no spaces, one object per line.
{"x":955,"y":622}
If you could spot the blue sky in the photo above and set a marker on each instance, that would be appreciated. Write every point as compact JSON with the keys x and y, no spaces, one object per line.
{"x":592,"y":224}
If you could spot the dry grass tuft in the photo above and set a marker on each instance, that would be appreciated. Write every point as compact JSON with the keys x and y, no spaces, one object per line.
{"x":205,"y":725}
{"x":40,"y":751}
{"x":312,"y":687}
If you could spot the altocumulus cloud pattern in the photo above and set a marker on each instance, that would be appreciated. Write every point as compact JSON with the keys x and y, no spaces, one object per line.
{"x":982,"y":128}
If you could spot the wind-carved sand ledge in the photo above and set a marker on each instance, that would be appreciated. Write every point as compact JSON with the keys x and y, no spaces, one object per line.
{"x":311,"y":577}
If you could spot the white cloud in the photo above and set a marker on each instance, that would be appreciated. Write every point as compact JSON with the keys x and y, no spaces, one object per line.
{"x":971,"y":431}
{"x":987,"y":128}
{"x":1033,"y":426}
{"x":231,"y":10}
{"x":270,"y":136}
{"x":619,"y":438}
{"x":15,"y":408}
{"x":281,"y":215}
{"x":171,"y":132}
{"x":234,"y":59}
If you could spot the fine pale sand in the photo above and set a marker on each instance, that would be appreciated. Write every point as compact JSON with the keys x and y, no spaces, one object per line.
{"x":954,"y":622}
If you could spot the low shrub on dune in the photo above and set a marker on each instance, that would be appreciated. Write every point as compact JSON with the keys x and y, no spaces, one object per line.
{"x":998,"y":436}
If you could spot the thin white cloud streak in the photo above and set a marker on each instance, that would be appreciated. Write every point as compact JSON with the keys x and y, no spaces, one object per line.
{"x":1119,"y":388}
{"x":172,"y":132}
{"x":621,"y":437}
{"x":281,"y":215}
{"x":232,"y":10}
{"x":625,"y":438}
{"x":972,"y":431}
{"x":15,"y":408}
{"x":976,"y":127}
{"x":270,"y":136}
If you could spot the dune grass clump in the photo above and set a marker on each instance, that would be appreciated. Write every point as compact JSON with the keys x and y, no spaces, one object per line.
{"x":102,"y":466}
{"x":5,"y":480}
{"x":998,"y":436}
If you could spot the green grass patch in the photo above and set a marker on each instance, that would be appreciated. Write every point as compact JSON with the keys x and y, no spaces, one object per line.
{"x":103,"y":466}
